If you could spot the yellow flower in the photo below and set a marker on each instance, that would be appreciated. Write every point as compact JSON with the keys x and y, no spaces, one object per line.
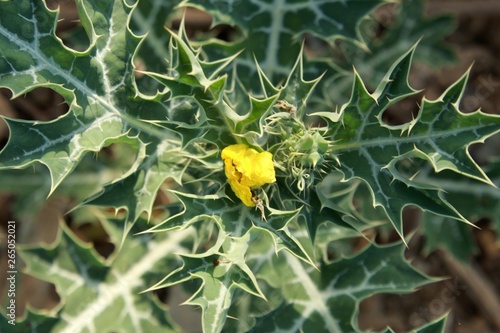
{"x":246,"y":168}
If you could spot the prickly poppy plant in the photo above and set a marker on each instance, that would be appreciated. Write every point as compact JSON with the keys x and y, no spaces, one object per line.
{"x":269,"y":175}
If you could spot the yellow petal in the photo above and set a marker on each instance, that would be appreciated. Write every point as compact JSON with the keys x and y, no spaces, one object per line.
{"x":246,"y":168}
{"x":242,"y":192}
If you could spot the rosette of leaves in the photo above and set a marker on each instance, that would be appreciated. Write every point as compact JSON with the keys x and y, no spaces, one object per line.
{"x":178,"y":134}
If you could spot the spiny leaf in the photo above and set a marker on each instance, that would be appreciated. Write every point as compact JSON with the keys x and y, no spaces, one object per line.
{"x":474,"y":199}
{"x":188,"y":79}
{"x":222,"y":269}
{"x":98,"y":86}
{"x":92,"y":290}
{"x":149,"y":19}
{"x":31,"y":321}
{"x":459,"y":241}
{"x":235,"y":221}
{"x":328,"y":301}
{"x":412,"y":25}
{"x":273,"y":29}
{"x":368,"y":149}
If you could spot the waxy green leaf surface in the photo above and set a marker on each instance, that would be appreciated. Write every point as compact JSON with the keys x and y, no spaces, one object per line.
{"x":177,"y":106}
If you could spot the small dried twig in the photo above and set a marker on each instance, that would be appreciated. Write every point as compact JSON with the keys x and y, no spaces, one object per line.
{"x":482,"y":292}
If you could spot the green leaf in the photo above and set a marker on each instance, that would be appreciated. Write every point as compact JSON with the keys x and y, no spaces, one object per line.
{"x":175,"y":112}
{"x":197,"y":81}
{"x":236,"y":221}
{"x":328,"y":301}
{"x":31,"y":321}
{"x":458,"y":241}
{"x":92,"y":290}
{"x":373,"y":151}
{"x":273,"y":29}
{"x":473,"y":199}
{"x":222,"y":270}
{"x":412,"y":25}
{"x":98,"y":86}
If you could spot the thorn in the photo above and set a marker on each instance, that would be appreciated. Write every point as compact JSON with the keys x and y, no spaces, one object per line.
{"x":259,"y":204}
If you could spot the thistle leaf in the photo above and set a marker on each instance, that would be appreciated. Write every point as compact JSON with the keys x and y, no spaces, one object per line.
{"x":235,"y":221}
{"x":412,"y":25}
{"x":328,"y":301}
{"x":93,"y":290}
{"x":474,"y":199}
{"x":98,"y":86}
{"x":273,"y":30}
{"x":222,"y":270}
{"x":371,"y":150}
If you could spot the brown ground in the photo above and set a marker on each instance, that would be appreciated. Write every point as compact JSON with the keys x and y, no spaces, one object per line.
{"x":472,"y":293}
